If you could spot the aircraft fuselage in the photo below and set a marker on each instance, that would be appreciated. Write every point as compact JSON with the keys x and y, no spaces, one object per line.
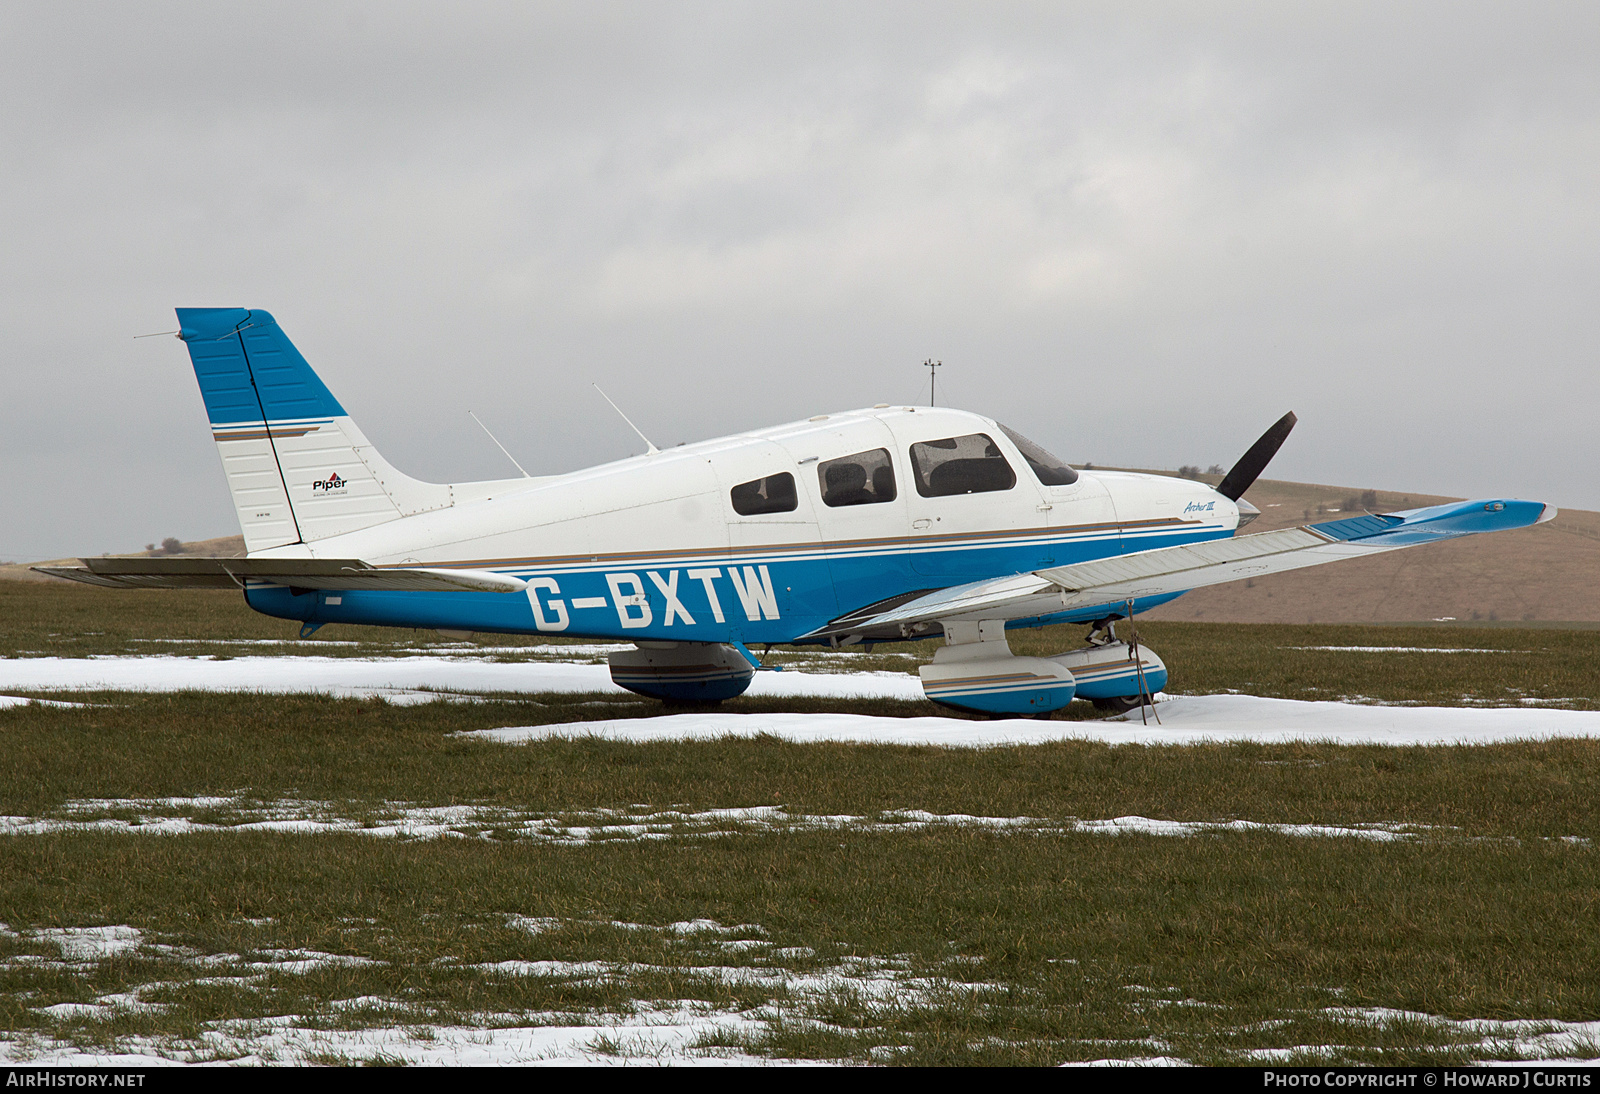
{"x":652,"y":547}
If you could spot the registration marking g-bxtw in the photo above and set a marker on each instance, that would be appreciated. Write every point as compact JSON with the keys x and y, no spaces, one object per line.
{"x":751,"y":584}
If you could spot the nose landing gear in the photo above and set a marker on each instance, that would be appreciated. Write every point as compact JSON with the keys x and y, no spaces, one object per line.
{"x":1113,"y":674}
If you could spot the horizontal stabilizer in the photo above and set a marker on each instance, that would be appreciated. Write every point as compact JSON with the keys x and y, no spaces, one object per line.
{"x":299,"y":573}
{"x":1169,"y":570}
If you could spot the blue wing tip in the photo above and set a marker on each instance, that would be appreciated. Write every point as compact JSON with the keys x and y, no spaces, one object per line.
{"x":1460,"y":518}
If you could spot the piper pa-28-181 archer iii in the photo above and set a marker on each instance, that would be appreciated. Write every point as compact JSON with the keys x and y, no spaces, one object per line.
{"x":866,"y":526}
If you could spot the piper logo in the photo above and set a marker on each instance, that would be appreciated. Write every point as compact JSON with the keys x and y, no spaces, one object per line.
{"x":333,"y":483}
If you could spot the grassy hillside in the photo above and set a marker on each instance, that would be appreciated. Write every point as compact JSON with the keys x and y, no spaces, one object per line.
{"x":1550,"y":572}
{"x":221,"y":547}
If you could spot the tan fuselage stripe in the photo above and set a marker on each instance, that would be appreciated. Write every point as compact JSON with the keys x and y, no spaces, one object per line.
{"x":795,"y":548}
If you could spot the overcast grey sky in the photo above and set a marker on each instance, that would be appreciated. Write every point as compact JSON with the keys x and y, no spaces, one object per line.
{"x":1136,"y":232}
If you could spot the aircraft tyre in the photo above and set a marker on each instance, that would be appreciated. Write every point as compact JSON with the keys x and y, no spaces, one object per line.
{"x":1111,"y":678}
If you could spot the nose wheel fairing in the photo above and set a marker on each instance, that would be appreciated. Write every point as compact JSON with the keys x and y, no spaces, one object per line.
{"x":1112,"y":672}
{"x":977,"y":672}
{"x":688,"y":672}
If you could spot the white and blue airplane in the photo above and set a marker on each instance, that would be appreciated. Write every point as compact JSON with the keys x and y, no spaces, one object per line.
{"x":862,"y":526}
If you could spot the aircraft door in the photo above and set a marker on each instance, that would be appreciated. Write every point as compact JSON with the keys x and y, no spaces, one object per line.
{"x":974,"y":510}
{"x":854,"y":480}
{"x":774,"y":545}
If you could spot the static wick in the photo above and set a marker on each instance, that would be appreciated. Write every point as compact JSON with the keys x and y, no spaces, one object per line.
{"x":653,"y":449}
{"x":498,"y":445}
{"x":157,"y":334}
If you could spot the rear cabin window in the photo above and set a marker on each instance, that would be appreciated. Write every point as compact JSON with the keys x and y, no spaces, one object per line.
{"x":1049,"y":470}
{"x":773,"y":494}
{"x":865,"y":478}
{"x":960,"y":465}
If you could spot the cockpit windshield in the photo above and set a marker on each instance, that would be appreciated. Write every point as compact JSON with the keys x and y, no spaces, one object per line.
{"x":1049,"y":470}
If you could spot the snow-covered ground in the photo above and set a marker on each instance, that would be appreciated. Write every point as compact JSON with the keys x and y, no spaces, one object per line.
{"x":406,"y":820}
{"x":398,"y":679}
{"x":1185,"y":719}
{"x":677,"y":1031}
{"x":656,"y":1035}
{"x":657,"y":1031}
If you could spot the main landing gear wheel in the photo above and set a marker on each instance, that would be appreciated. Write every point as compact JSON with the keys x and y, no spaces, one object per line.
{"x":685,"y":674}
{"x":1119,"y":704}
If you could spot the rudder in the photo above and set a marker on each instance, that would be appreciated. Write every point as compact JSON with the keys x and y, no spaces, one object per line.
{"x":298,"y":467}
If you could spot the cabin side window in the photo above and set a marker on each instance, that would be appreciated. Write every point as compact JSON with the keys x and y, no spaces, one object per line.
{"x":773,"y":494}
{"x":960,"y":465}
{"x":865,"y":478}
{"x":1049,"y":470}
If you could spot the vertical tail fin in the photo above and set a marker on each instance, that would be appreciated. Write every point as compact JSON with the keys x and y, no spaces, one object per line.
{"x":298,"y":467}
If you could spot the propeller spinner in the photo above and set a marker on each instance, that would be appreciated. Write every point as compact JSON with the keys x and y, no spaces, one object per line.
{"x":1255,"y":461}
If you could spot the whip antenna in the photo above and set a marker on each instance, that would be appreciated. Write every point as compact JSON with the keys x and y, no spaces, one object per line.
{"x":498,"y":445}
{"x":653,"y":449}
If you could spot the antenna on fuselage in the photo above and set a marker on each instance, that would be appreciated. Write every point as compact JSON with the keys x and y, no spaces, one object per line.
{"x":653,"y":449}
{"x":498,"y":445}
{"x":932,"y":366}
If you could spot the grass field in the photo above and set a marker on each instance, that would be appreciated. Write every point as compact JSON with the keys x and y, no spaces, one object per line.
{"x":222,"y":876}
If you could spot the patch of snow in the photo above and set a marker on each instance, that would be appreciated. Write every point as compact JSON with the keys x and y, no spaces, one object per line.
{"x":874,"y":980}
{"x":1145,"y":826}
{"x":399,"y":679}
{"x":23,"y":700}
{"x":303,"y":961}
{"x":1185,"y":719}
{"x":661,"y":1034}
{"x":1537,"y":1040}
{"x":92,"y":943}
{"x":1398,"y":649}
{"x":581,"y":827}
{"x":72,"y":1010}
{"x":664,"y":1031}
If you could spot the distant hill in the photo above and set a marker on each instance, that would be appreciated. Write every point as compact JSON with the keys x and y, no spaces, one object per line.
{"x":221,"y":547}
{"x":1548,"y":573}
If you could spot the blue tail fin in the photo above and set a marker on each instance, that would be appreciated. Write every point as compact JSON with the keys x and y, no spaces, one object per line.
{"x":248,"y":369}
{"x":299,"y":468}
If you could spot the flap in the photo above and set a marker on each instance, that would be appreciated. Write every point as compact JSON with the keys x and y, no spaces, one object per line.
{"x":1168,"y":570}
{"x":300,"y":573}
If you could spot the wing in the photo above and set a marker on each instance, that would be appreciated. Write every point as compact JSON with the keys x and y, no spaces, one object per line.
{"x":1167,"y":570}
{"x":299,"y":573}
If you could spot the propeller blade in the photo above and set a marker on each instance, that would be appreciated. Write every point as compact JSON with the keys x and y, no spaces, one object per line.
{"x":1253,"y":462}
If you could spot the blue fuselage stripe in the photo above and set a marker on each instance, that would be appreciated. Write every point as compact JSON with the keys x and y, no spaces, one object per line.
{"x":762,"y":595}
